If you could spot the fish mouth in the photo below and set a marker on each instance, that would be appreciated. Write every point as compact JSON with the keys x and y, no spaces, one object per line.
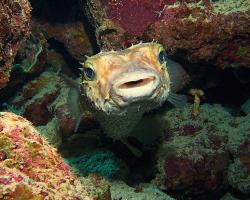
{"x":135,"y":86}
{"x":136,"y":83}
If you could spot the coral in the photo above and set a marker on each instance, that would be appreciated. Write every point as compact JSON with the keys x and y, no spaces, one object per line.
{"x":51,"y":132}
{"x":102,"y":162}
{"x":35,"y":97}
{"x":193,"y":28}
{"x":246,"y":107}
{"x":133,"y":16}
{"x":44,"y":101}
{"x":72,"y":35}
{"x":188,"y":29}
{"x":239,"y":176}
{"x":35,"y":102}
{"x":14,"y":17}
{"x":31,"y":169}
{"x":119,"y":190}
{"x":228,"y":196}
{"x":109,"y":33}
{"x":32,"y":53}
{"x":198,"y":150}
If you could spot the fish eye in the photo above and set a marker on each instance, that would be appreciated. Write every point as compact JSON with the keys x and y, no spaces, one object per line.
{"x":162,"y":56}
{"x":89,"y":73}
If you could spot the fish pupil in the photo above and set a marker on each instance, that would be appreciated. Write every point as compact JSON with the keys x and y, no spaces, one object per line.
{"x":89,"y":72}
{"x":162,"y":56}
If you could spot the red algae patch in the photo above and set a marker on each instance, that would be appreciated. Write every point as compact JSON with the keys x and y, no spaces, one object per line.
{"x":31,"y":169}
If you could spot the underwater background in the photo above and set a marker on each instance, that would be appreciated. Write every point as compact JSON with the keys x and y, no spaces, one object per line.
{"x":200,"y":151}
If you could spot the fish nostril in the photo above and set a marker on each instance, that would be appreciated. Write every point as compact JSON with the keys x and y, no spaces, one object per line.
{"x":136,"y":83}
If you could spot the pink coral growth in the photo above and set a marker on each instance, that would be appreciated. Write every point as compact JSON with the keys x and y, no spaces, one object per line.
{"x":35,"y":168}
{"x":134,"y":16}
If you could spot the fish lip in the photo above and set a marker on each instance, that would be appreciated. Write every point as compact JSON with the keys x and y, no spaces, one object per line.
{"x":145,"y":71}
{"x":123,"y":101}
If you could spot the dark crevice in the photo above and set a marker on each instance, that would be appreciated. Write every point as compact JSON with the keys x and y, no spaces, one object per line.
{"x":90,"y":29}
{"x":60,"y":48}
{"x":64,"y":11}
{"x":55,"y":10}
{"x":229,"y":87}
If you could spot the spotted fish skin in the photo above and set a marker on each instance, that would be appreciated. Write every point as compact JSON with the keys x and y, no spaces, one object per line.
{"x":120,"y":86}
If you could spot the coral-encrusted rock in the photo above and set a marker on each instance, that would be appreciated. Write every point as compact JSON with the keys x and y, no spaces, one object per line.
{"x":14,"y":19}
{"x":246,"y":107}
{"x":120,"y":190}
{"x":44,"y":101}
{"x":32,"y":54}
{"x":36,"y":96}
{"x":195,"y":153}
{"x":109,"y":33}
{"x":238,"y":174}
{"x":196,"y":30}
{"x":31,"y":169}
{"x":73,"y":36}
{"x":206,"y":32}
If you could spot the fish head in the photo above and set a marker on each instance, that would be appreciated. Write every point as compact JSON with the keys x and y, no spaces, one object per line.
{"x":113,"y":81}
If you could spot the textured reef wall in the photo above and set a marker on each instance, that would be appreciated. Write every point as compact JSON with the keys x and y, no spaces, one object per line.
{"x":44,"y":101}
{"x":72,"y":35}
{"x":14,"y":18}
{"x":196,"y":30}
{"x":204,"y":153}
{"x":31,"y":169}
{"x":201,"y":154}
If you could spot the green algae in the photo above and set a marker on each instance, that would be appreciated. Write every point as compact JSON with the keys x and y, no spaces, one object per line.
{"x":228,"y":196}
{"x":27,"y":64}
{"x":242,"y":51}
{"x":11,"y":108}
{"x":246,"y":107}
{"x":50,"y":131}
{"x":101,"y":162}
{"x":238,"y":176}
{"x":227,"y":7}
{"x":5,"y":145}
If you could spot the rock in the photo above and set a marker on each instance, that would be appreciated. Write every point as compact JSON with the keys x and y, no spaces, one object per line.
{"x":206,"y":31}
{"x":36,"y":96}
{"x":14,"y":17}
{"x":31,"y":169}
{"x":120,"y":190}
{"x":228,"y":196}
{"x":44,"y":101}
{"x":51,"y":131}
{"x":193,"y":30}
{"x":238,"y":174}
{"x":196,"y":152}
{"x":32,"y":53}
{"x":246,"y":107}
{"x":72,"y":35}
{"x":39,"y":101}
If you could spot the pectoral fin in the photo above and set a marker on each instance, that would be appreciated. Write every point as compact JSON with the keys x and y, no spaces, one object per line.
{"x":73,"y":101}
{"x":178,"y":100}
{"x":178,"y":76}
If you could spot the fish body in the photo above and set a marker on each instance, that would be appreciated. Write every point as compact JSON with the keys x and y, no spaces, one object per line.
{"x":118,"y":87}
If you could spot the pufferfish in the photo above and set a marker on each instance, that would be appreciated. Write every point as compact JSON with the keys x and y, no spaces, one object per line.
{"x":118,"y":87}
